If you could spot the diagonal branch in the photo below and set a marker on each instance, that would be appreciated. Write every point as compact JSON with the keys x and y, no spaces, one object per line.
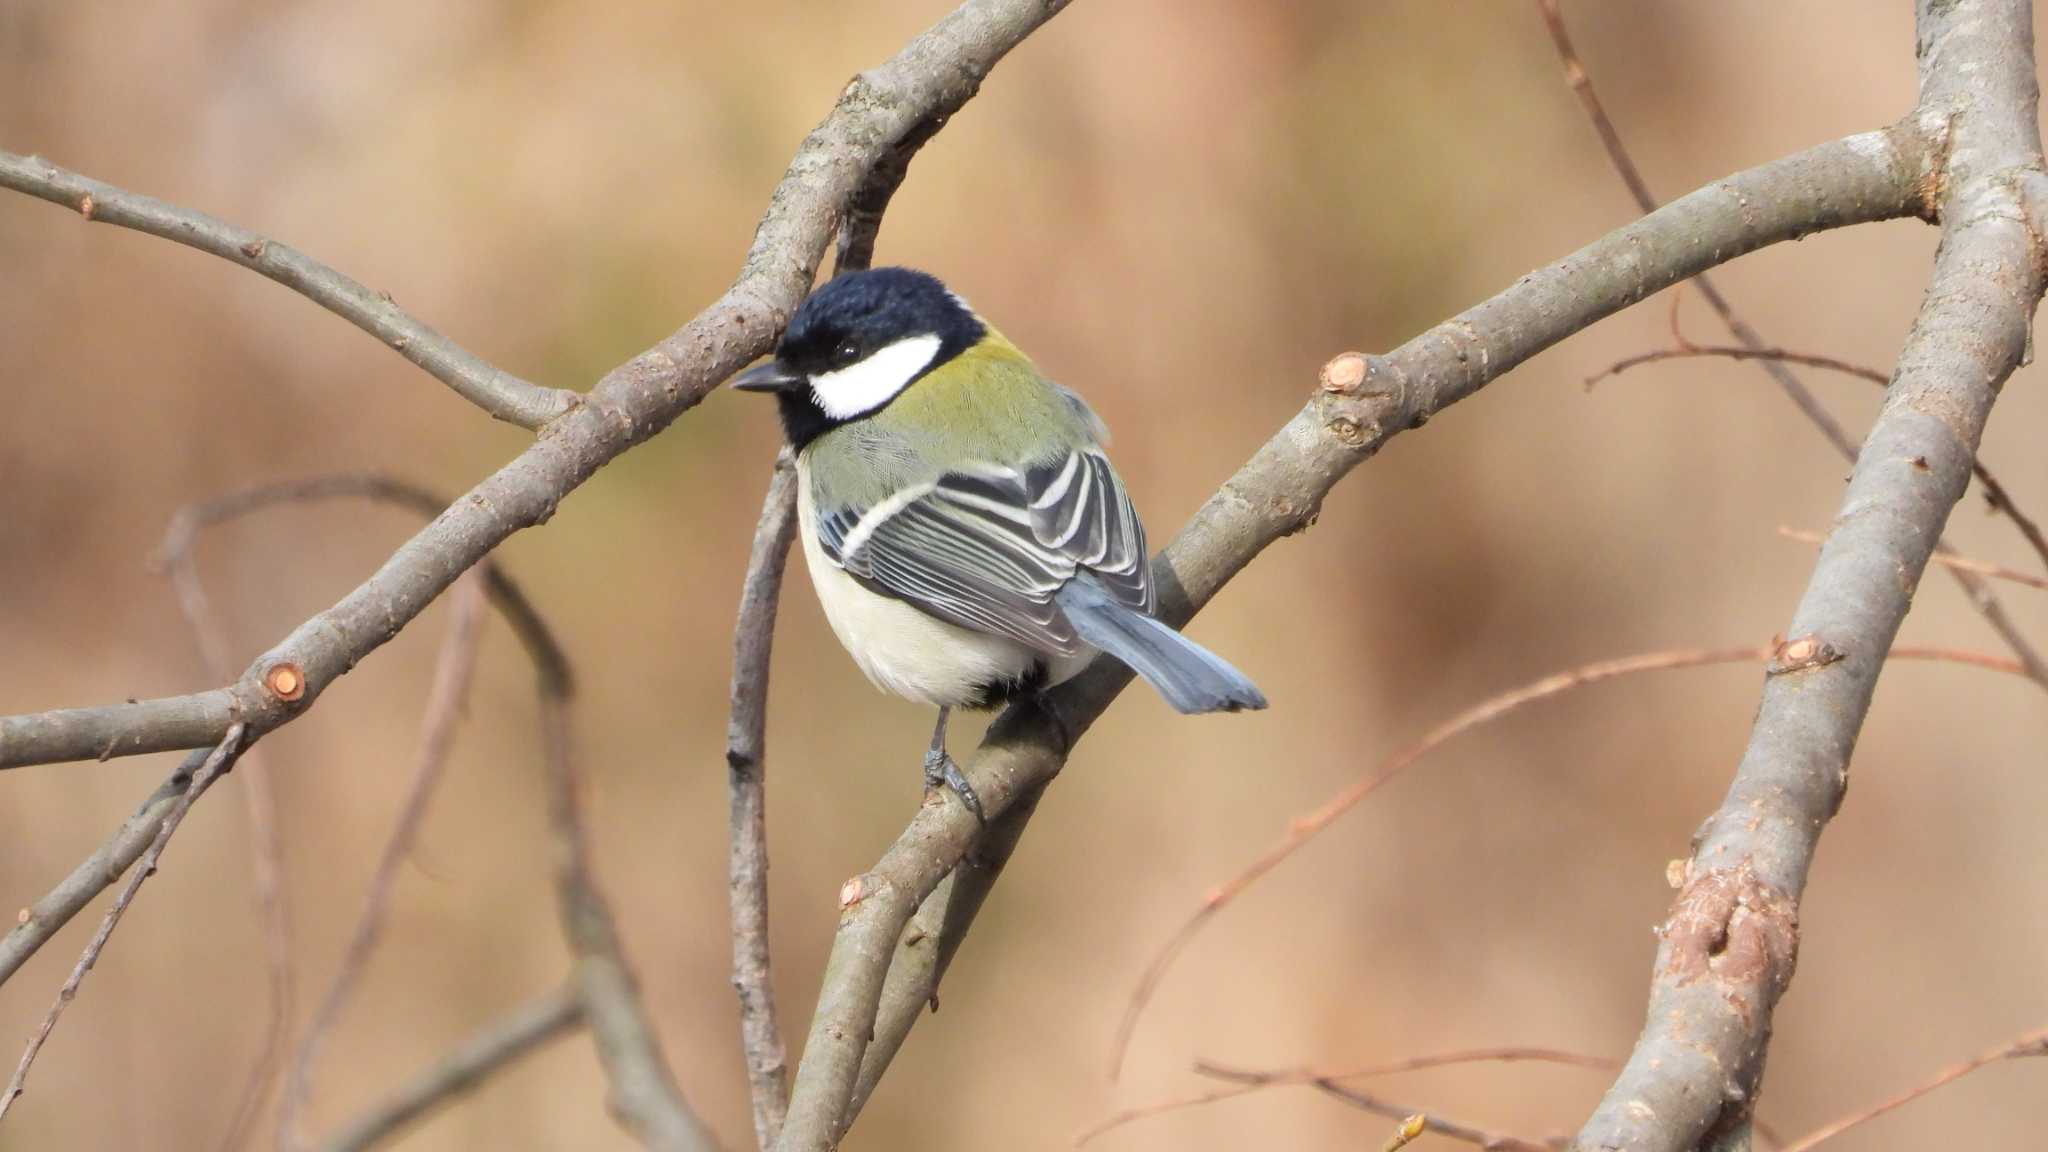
{"x":1995,"y":493}
{"x":1729,"y":945}
{"x":209,"y":770}
{"x":501,"y":394}
{"x":518,"y":1034}
{"x":644,"y":1094}
{"x":1980,"y":594}
{"x":933,"y":76}
{"x":453,"y":671}
{"x":1362,"y":403}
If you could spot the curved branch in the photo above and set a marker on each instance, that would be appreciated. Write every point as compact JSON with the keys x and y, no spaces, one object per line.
{"x":1729,"y":946}
{"x":501,"y":394}
{"x":1362,"y":403}
{"x":933,"y":76}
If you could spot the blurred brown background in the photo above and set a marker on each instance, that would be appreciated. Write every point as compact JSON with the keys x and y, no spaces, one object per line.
{"x":1182,"y":209}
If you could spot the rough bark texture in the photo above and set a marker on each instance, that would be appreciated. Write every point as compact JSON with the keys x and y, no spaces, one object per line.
{"x":1730,"y":944}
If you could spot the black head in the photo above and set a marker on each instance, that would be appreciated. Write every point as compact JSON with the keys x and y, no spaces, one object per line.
{"x":857,"y":343}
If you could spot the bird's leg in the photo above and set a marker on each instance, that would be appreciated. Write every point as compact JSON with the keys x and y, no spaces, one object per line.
{"x":941,"y":771}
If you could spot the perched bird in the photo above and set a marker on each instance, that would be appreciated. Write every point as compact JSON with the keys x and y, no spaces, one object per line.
{"x":966,"y":535}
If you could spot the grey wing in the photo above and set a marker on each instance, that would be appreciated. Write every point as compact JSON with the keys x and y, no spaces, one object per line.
{"x":989,"y":548}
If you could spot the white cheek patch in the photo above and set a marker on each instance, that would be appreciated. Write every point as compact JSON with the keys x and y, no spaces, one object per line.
{"x":868,"y":384}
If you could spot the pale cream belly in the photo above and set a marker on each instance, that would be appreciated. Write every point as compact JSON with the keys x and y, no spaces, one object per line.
{"x":904,"y":651}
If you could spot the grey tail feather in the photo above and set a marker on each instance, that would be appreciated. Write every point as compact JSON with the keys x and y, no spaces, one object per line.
{"x":1189,"y":676}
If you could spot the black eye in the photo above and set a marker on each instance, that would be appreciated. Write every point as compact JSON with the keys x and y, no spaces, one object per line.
{"x":847,"y":352}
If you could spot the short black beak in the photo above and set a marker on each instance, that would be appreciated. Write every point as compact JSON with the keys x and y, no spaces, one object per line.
{"x":767,"y":376}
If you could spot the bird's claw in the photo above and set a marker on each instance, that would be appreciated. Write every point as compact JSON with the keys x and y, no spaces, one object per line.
{"x":942,"y":771}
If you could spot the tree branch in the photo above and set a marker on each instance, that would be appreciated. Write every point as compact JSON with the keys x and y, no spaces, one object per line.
{"x":935,"y":74}
{"x":209,"y":770}
{"x":464,"y":1069}
{"x":1365,"y":1101}
{"x":1729,"y":946}
{"x":644,"y":1095}
{"x":1776,"y":367}
{"x":501,"y":394}
{"x":453,"y":671}
{"x":1363,"y":401}
{"x":747,"y":768}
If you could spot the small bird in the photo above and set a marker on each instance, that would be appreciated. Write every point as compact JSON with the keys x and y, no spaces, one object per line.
{"x":964,"y":530}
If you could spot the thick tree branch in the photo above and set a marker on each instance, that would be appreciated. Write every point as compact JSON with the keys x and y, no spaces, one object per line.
{"x":934,"y":75}
{"x":761,"y":1034}
{"x":464,"y":1069}
{"x":501,"y":394}
{"x":1729,"y":946}
{"x":1363,"y":401}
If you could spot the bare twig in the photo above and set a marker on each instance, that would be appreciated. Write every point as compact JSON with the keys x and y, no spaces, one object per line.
{"x":644,"y":1096}
{"x":746,"y":763}
{"x":1363,"y":401}
{"x":2030,"y":1044}
{"x":267,"y":850}
{"x":1690,"y":351}
{"x":464,"y":1069}
{"x":36,"y":924}
{"x":1405,"y":1133}
{"x":453,"y":671}
{"x":501,"y":394}
{"x":1946,"y":560}
{"x":1730,"y":943}
{"x":1995,"y":493}
{"x":1450,"y":1129}
{"x":1308,"y":1076}
{"x":210,"y":769}
{"x":1305,"y":828}
{"x":1775,"y":366}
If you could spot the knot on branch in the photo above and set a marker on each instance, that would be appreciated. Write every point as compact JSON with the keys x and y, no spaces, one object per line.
{"x":1802,"y":653}
{"x":1361,"y":399}
{"x":1730,"y":927}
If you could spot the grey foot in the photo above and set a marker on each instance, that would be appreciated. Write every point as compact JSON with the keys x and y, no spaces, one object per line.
{"x":940,"y":770}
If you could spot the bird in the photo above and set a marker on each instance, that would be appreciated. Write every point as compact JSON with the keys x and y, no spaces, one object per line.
{"x":963,"y":527}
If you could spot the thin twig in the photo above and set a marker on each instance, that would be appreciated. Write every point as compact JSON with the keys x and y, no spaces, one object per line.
{"x":266,"y":850}
{"x":1305,"y":828}
{"x":1980,"y":594}
{"x":1995,"y":493}
{"x":462,"y":1070}
{"x":1436,"y":1122}
{"x":747,"y":770}
{"x":2033,"y":1043}
{"x":36,"y":924}
{"x":501,"y":394}
{"x":1980,"y":567}
{"x":453,"y":671}
{"x":222,"y":757}
{"x":644,"y":1095}
{"x":1308,"y":1076}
